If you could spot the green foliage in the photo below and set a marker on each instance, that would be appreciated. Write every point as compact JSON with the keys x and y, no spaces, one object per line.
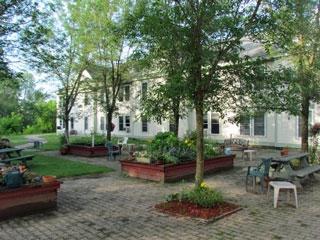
{"x":201,"y":195}
{"x":314,"y":132}
{"x":171,"y":149}
{"x":11,"y":125}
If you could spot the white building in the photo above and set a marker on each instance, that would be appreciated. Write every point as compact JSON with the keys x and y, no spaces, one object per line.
{"x":273,"y":130}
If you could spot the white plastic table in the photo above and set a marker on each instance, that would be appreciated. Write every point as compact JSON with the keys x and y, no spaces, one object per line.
{"x":277,"y":185}
{"x":249,"y":153}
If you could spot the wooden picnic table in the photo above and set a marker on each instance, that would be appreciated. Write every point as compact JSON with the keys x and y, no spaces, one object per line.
{"x":292,"y":167}
{"x":8,"y":155}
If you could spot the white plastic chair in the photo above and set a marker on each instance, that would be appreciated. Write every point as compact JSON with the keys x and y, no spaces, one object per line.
{"x":123,"y":143}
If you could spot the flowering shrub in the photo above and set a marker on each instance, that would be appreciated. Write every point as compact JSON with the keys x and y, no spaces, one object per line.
{"x":171,"y":149}
{"x":202,"y":195}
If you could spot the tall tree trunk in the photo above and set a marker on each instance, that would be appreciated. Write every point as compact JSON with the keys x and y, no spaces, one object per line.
{"x":109,"y":123}
{"x":200,"y":161}
{"x":305,"y":124}
{"x":176,"y":121}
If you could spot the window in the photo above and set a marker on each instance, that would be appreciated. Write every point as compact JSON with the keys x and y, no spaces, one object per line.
{"x":86,"y":123}
{"x":215,"y":126}
{"x":144,"y":126}
{"x":299,"y":123}
{"x":124,"y":93}
{"x":205,"y":121}
{"x":172,"y":127}
{"x":245,"y":127}
{"x":102,"y":97}
{"x":124,"y":123}
{"x":72,"y":122}
{"x":253,"y":126}
{"x":258,"y":126}
{"x":86,"y":99}
{"x":144,"y":90}
{"x":102,"y":124}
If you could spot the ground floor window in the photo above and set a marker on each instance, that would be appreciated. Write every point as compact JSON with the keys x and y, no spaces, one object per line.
{"x":86,"y":123}
{"x":144,"y":126}
{"x":254,"y":126}
{"x":215,"y":123}
{"x":124,"y":123}
{"x":102,"y":124}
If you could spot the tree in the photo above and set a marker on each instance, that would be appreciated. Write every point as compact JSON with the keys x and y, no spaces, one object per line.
{"x":53,"y":51}
{"x":296,"y":31}
{"x":100,"y":31}
{"x":209,"y":34}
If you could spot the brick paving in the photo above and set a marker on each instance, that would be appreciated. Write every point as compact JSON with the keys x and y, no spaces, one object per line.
{"x":113,"y":206}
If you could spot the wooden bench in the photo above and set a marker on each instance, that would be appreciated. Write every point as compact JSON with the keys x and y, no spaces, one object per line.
{"x":235,"y":144}
{"x":24,"y":159}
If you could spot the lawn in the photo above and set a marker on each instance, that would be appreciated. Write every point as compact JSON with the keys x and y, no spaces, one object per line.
{"x":46,"y":165}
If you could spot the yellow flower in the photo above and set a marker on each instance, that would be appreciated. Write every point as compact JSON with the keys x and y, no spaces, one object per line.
{"x":190,"y":144}
{"x":203,"y":185}
{"x":186,"y":141}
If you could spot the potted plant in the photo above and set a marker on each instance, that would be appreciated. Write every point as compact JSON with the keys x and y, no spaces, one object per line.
{"x":63,"y":145}
{"x":285,"y":151}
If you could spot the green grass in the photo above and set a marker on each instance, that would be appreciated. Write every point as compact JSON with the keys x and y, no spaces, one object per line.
{"x":46,"y":165}
{"x":16,"y":140}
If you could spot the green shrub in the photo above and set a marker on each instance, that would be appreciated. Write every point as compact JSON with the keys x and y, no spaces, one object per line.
{"x":203,"y":196}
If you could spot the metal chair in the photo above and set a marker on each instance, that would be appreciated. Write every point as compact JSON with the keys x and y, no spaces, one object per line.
{"x":261,"y":171}
{"x":111,"y":150}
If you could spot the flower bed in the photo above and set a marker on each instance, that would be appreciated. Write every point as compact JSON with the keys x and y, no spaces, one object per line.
{"x":174,"y":172}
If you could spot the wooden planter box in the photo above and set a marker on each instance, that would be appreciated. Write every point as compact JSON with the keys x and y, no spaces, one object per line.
{"x":87,"y":151}
{"x":28,"y":199}
{"x":174,"y":172}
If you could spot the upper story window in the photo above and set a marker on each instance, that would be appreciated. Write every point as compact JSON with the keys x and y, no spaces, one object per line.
{"x":86,"y":99}
{"x":124,"y":93}
{"x":144,"y":90}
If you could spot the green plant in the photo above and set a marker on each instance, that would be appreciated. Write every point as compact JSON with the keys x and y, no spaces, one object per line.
{"x":62,"y":141}
{"x":202,"y":195}
{"x":171,"y":149}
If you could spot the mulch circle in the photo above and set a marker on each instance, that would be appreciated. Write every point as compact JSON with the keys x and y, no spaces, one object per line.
{"x":194,"y":211}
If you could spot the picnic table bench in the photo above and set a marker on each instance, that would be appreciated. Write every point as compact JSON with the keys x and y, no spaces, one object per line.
{"x":6,"y":156}
{"x":235,"y":144}
{"x":293,"y":167}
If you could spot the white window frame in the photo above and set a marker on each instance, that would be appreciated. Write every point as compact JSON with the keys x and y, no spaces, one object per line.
{"x":251,"y":125}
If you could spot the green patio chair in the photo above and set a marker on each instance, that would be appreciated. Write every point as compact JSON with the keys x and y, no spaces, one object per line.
{"x":112,"y":150}
{"x":261,"y":171}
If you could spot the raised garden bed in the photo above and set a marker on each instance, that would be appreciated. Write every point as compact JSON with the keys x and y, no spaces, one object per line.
{"x":87,"y":151}
{"x":28,"y":199}
{"x":174,"y":172}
